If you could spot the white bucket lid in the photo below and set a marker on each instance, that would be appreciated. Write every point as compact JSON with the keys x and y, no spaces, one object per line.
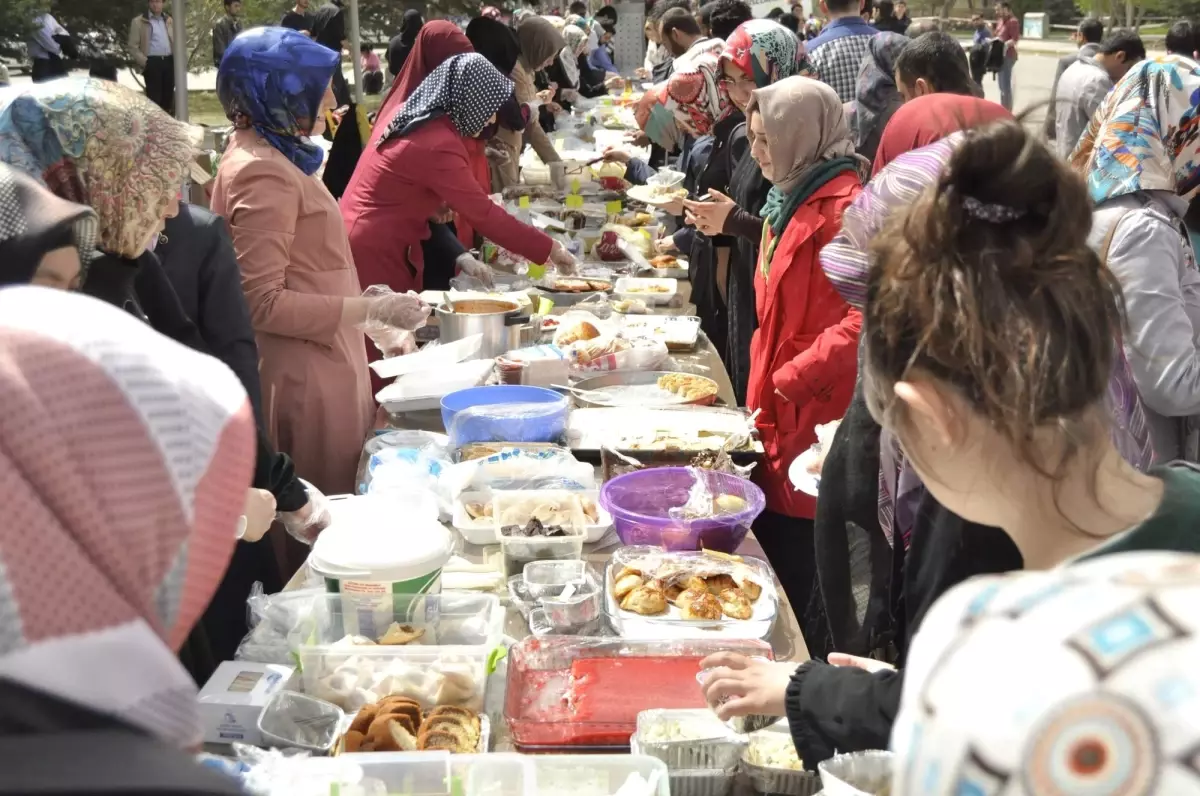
{"x":373,"y":538}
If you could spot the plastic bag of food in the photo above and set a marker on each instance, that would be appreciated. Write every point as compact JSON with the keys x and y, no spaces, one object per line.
{"x":515,"y":468}
{"x":416,"y":457}
{"x":616,"y":352}
{"x":703,"y":502}
{"x":274,"y":620}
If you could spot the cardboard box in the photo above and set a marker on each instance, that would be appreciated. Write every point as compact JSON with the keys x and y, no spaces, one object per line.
{"x":235,"y":695}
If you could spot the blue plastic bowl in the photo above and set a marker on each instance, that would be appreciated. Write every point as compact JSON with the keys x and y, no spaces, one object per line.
{"x":521,"y":414}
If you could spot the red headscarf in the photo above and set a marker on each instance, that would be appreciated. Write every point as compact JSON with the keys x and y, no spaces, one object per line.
{"x":930,"y":118}
{"x":437,"y":41}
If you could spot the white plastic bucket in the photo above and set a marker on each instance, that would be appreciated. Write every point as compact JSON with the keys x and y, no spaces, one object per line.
{"x":377,"y":550}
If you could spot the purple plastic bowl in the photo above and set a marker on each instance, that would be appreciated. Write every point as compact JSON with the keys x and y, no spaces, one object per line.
{"x":640,"y":502}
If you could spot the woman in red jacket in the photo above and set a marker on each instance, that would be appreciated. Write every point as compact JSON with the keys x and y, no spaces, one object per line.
{"x":422,"y":165}
{"x":804,"y":355}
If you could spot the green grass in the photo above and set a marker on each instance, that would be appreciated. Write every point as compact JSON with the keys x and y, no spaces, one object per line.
{"x":204,"y":108}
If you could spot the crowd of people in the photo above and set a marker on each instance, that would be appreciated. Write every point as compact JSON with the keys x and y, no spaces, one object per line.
{"x":1005,"y":329}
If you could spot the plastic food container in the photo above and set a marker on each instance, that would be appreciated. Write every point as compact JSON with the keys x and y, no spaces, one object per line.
{"x":302,"y":722}
{"x":443,"y":774}
{"x":504,"y":413}
{"x":640,"y":503}
{"x":375,"y":549}
{"x":446,"y":664}
{"x":595,"y":775}
{"x":857,"y":773}
{"x":650,"y":290}
{"x":601,"y":715}
{"x":521,"y":550}
{"x":720,"y":751}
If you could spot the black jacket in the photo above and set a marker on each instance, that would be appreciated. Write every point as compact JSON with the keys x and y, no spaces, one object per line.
{"x":56,"y":747}
{"x":833,"y":709}
{"x":200,"y":276}
{"x":749,"y":189}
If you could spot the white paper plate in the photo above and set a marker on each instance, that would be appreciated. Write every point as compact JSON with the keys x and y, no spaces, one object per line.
{"x":646,"y":195}
{"x":801,"y":478}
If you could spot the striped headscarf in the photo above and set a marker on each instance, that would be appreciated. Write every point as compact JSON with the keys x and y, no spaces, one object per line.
{"x":124,"y":463}
{"x":96,"y":143}
{"x":1146,"y":134}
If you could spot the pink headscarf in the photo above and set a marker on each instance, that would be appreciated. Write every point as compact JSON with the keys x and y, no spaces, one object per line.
{"x":124,"y":463}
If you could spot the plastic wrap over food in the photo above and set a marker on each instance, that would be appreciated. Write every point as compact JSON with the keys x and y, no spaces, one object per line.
{"x":515,"y":468}
{"x":414,"y":458}
{"x":616,"y":352}
{"x":273,"y":620}
{"x":271,"y":772}
{"x":300,"y":721}
{"x":542,"y":421}
{"x":707,"y":574}
{"x":351,"y":674}
{"x":705,"y":502}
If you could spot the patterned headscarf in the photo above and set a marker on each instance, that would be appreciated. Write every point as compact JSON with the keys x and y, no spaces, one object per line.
{"x":575,"y":38}
{"x":654,"y":117}
{"x":876,"y":90}
{"x":1146,"y":134}
{"x":467,"y":88}
{"x":698,"y":99}
{"x":1077,"y":680}
{"x":124,"y":463}
{"x":96,"y":143}
{"x":273,"y":79}
{"x":846,"y":260}
{"x":767,"y":52}
{"x":35,"y":222}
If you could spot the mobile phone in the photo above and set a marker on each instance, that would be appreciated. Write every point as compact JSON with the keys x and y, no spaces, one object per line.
{"x":705,"y":198}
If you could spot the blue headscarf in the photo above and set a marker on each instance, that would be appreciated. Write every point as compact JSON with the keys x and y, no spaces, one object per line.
{"x":271,"y":79}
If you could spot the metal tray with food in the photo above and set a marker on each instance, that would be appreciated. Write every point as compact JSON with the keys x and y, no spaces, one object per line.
{"x":650,"y":593}
{"x":679,"y":332}
{"x":572,"y":290}
{"x":646,"y":388}
{"x":772,"y":765}
{"x":685,"y":430}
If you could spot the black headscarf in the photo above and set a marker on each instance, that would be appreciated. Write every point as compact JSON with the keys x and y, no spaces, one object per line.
{"x":402,"y":43}
{"x":35,"y":222}
{"x":329,"y":26}
{"x":496,"y":42}
{"x":466,"y":88}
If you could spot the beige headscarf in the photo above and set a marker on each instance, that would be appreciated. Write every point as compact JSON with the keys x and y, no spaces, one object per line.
{"x":539,"y":42}
{"x":804,"y":122}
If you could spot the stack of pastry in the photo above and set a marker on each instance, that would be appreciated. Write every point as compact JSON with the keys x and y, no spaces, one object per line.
{"x":397,"y":724}
{"x":698,"y":592}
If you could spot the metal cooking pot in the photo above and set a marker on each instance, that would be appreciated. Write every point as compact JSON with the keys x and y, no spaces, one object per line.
{"x":500,"y":323}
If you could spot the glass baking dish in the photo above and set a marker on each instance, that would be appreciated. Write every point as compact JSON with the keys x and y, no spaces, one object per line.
{"x":574,"y":691}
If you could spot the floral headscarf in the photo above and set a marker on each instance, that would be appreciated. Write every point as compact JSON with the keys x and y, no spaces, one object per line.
{"x":273,"y":79}
{"x":122,"y":491}
{"x":97,"y":143}
{"x":698,"y":98}
{"x":1080,"y":679}
{"x":467,"y":88}
{"x":767,"y":52}
{"x":575,"y":38}
{"x":1146,"y":134}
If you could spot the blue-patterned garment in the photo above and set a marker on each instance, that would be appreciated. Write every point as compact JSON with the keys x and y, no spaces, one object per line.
{"x":1146,"y":134}
{"x":273,"y":79}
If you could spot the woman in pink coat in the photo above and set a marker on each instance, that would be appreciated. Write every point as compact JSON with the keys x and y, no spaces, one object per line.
{"x":297,"y":271}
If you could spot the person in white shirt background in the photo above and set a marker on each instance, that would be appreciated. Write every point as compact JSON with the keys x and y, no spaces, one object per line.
{"x":45,"y":48}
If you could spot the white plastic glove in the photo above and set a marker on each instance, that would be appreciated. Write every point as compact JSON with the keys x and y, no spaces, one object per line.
{"x":307,"y":522}
{"x":472,"y":267}
{"x":394,"y":342}
{"x":562,"y":260}
{"x":257,"y":515}
{"x":395,"y":310}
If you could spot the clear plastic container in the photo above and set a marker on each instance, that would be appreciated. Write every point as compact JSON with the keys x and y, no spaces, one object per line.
{"x":518,"y":551}
{"x":295,"y":720}
{"x":857,"y":773}
{"x":446,"y":665}
{"x":595,"y":775}
{"x":551,"y":578}
{"x":443,"y":774}
{"x":548,"y":709}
